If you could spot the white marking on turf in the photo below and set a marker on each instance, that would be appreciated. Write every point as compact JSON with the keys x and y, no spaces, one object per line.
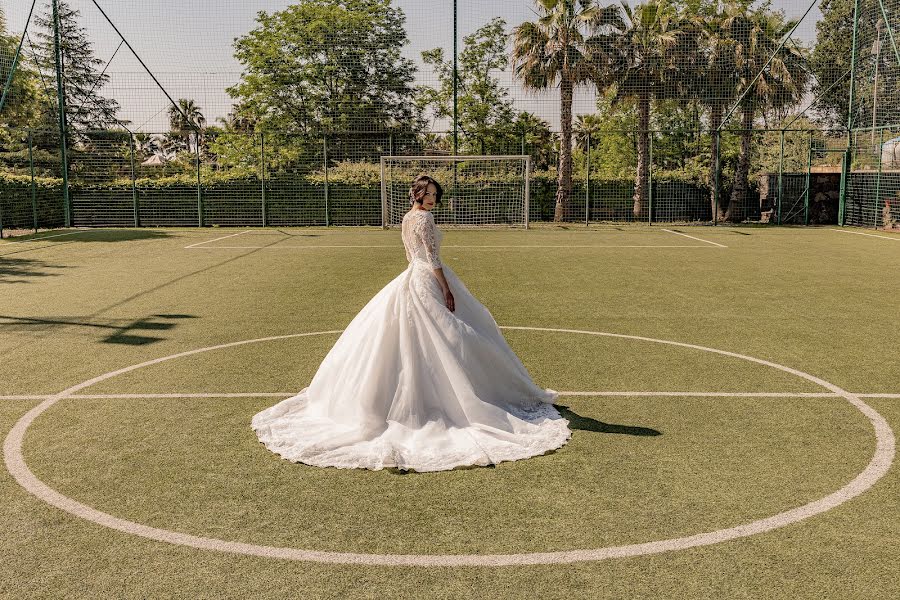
{"x":884,"y":237}
{"x":282,"y":247}
{"x":662,"y":394}
{"x":878,"y":466}
{"x":217,"y":239}
{"x":695,"y":238}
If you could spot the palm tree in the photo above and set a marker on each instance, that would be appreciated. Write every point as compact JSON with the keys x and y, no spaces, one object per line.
{"x":569,"y":43}
{"x":655,"y":48}
{"x":184,"y":119}
{"x":536,"y":138}
{"x":586,"y":127}
{"x":756,"y":35}
{"x":714,"y":84}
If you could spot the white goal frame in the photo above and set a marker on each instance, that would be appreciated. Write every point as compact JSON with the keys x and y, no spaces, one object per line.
{"x":456,"y":158}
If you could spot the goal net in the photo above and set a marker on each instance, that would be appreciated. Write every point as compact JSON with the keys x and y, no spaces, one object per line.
{"x":479,"y":191}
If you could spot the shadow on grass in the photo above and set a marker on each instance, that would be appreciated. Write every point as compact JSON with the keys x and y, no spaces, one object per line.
{"x":576,"y":422}
{"x":18,"y":270}
{"x":104,"y":234}
{"x":128,"y":332}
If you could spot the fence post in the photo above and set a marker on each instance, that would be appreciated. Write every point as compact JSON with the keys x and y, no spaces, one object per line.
{"x":262,"y":174}
{"x":650,"y":185}
{"x":716,"y":183}
{"x":846,"y":165}
{"x":391,"y":143}
{"x":34,"y":219}
{"x":808,"y":180}
{"x":780,"y":181}
{"x":199,"y":190}
{"x":325,"y":154}
{"x":878,"y":179}
{"x":587,"y":182}
{"x":134,"y":197}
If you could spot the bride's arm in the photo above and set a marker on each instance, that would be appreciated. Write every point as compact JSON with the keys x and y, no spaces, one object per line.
{"x":428,"y":240}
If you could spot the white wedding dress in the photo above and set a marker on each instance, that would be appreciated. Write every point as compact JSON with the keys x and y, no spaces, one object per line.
{"x":410,"y":384}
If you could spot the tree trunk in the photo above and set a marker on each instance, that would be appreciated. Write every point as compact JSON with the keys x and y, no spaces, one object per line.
{"x":735,"y":212}
{"x":715,"y":120}
{"x":564,"y":176}
{"x":642,"y":179}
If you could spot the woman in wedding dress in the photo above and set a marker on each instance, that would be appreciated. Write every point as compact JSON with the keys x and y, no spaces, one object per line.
{"x":421,"y":379}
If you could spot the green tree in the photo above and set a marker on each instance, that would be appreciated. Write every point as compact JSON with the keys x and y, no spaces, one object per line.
{"x":570,"y":44}
{"x":327,"y":65}
{"x":21,"y":105}
{"x":83,"y":81}
{"x":185,"y":120}
{"x":485,"y":114}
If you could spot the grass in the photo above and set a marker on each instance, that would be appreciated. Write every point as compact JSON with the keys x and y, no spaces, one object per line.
{"x":637,"y":468}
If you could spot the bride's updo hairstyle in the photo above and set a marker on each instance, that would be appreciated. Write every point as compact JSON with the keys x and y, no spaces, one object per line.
{"x":420,"y":186}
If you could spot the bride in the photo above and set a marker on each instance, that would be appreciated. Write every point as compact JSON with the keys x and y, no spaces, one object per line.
{"x":421,"y":379}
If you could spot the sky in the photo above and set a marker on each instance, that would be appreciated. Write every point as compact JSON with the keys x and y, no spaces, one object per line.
{"x":188,"y":46}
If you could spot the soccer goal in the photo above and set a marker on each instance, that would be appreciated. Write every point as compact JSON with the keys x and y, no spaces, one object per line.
{"x":479,"y":191}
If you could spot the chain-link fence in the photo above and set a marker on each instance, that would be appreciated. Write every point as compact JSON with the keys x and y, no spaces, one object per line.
{"x":277,"y":113}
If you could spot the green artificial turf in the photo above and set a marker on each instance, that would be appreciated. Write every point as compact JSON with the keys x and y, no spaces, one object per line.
{"x":637,"y":468}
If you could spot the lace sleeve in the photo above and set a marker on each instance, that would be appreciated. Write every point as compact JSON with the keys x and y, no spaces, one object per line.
{"x":425,"y":230}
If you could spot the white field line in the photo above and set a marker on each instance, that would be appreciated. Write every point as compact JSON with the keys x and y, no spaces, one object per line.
{"x":695,"y":238}
{"x":217,"y":239}
{"x":878,"y":467}
{"x":280,"y":247}
{"x":884,"y":237}
{"x":571,"y":393}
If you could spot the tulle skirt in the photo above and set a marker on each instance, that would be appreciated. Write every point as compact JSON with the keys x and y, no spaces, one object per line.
{"x":411,"y":385}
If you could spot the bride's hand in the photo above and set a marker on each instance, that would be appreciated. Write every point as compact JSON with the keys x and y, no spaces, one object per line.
{"x":448,"y":298}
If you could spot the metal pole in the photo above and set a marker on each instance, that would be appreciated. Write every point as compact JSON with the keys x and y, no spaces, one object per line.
{"x":587,"y":182}
{"x":650,"y":185}
{"x":878,"y":180}
{"x":199,"y":190}
{"x":325,"y":146}
{"x":61,"y":102}
{"x":808,"y":180}
{"x":780,"y":181}
{"x":455,"y":77}
{"x":718,"y":135}
{"x":384,"y":223}
{"x":527,"y":189}
{"x":262,"y":174}
{"x":34,"y":220}
{"x":134,"y":197}
{"x":846,"y":165}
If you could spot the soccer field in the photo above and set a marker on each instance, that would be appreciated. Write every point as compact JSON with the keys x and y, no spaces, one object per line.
{"x":733,"y":394}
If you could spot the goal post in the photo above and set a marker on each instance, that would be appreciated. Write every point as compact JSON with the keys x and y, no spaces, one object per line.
{"x":479,"y":191}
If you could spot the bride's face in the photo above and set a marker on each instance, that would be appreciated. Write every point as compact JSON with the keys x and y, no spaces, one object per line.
{"x":430,"y":197}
